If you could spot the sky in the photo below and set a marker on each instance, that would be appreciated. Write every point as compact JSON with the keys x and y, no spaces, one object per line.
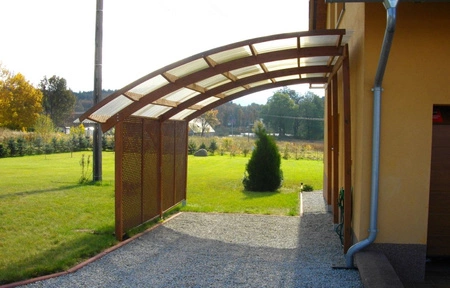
{"x":57,"y":37}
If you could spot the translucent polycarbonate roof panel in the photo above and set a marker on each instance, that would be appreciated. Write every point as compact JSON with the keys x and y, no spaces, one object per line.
{"x":151,"y":111}
{"x":232,"y":54}
{"x":286,"y":78}
{"x":150,"y":85}
{"x":281,"y":64}
{"x":313,"y":75}
{"x":208,"y":101}
{"x":214,"y":81}
{"x":318,"y":41}
{"x":314,"y":61}
{"x":183,"y":114}
{"x":205,"y":76}
{"x":181,"y":95}
{"x":189,"y":68}
{"x":259,"y":83}
{"x":317,"y":86}
{"x":247,"y":71}
{"x":276,"y":45}
{"x":111,"y":108}
{"x":233,"y":91}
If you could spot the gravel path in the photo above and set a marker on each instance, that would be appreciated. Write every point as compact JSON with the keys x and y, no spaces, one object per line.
{"x":225,"y":250}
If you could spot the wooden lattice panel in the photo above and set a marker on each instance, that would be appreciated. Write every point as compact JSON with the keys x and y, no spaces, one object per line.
{"x":151,"y":164}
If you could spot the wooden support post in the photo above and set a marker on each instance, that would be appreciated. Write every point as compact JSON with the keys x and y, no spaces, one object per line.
{"x":174,"y":162}
{"x":186,"y":124}
{"x":347,"y":154}
{"x":160,"y":148}
{"x":118,"y":180}
{"x":335,"y":181}
{"x":142,"y":123}
{"x":329,"y":146}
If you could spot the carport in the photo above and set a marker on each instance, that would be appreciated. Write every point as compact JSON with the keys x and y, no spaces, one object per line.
{"x":151,"y":115}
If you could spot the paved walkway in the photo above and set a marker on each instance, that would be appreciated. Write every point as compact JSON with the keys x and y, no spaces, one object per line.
{"x":224,"y":250}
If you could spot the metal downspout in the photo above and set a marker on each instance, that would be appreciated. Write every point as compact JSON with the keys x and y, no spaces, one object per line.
{"x":391,"y":9}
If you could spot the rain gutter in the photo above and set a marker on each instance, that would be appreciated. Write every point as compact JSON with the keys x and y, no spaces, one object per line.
{"x":391,"y":9}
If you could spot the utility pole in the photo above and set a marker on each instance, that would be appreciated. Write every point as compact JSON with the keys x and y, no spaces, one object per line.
{"x":97,"y":141}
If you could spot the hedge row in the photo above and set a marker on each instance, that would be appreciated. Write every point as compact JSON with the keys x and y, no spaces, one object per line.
{"x":35,"y":144}
{"x":235,"y":146}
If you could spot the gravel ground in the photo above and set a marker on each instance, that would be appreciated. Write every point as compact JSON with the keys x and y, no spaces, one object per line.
{"x":225,"y":250}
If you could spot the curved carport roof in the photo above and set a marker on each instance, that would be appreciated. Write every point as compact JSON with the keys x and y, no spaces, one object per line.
{"x":188,"y":88}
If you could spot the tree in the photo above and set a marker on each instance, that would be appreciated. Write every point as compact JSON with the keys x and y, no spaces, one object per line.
{"x":263,"y":171}
{"x":310,"y":110}
{"x":208,"y":119}
{"x":44,"y":125}
{"x":20,"y":102}
{"x":58,"y":101}
{"x":279,"y":112}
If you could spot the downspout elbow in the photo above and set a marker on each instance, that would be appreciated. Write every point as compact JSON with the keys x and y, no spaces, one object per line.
{"x":374,"y":183}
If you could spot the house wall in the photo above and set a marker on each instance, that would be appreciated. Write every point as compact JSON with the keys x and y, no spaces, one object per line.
{"x":417,"y":76}
{"x":353,"y":20}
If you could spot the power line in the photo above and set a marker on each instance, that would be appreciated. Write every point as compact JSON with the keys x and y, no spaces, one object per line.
{"x":292,"y":117}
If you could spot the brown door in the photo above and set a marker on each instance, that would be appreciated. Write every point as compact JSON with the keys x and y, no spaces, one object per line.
{"x":438,"y":242}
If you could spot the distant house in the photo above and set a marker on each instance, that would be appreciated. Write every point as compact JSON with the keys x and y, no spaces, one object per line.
{"x":195,"y":128}
{"x":74,"y":121}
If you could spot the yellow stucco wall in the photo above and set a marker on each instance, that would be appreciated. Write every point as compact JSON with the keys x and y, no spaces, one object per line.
{"x":417,"y":76}
{"x":354,"y":18}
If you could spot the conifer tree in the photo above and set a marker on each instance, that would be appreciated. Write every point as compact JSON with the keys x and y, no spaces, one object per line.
{"x":263,"y":171}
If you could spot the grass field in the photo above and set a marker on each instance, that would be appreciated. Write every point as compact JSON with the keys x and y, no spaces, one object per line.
{"x":225,"y":189}
{"x":50,"y":222}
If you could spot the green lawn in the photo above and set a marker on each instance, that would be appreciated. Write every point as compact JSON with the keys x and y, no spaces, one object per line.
{"x":215,"y":185}
{"x":49,"y":222}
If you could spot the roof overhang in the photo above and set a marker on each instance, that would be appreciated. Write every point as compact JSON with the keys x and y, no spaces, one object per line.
{"x":188,"y":88}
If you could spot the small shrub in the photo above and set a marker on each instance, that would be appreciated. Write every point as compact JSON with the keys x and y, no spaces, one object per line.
{"x":48,"y":148}
{"x":55,"y":145}
{"x":83,"y":142}
{"x":202,"y":146}
{"x":307,"y":188}
{"x":85,"y":170}
{"x":3,"y":151}
{"x":297,"y":156}
{"x":63,"y":145}
{"x":286,"y":152}
{"x":227,"y":143}
{"x":29,"y":150}
{"x":74,"y":144}
{"x":213,"y":146}
{"x":12,"y":147}
{"x":38,"y":144}
{"x":192,"y":147}
{"x":108,"y":142}
{"x":234,"y":150}
{"x":21,"y":146}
